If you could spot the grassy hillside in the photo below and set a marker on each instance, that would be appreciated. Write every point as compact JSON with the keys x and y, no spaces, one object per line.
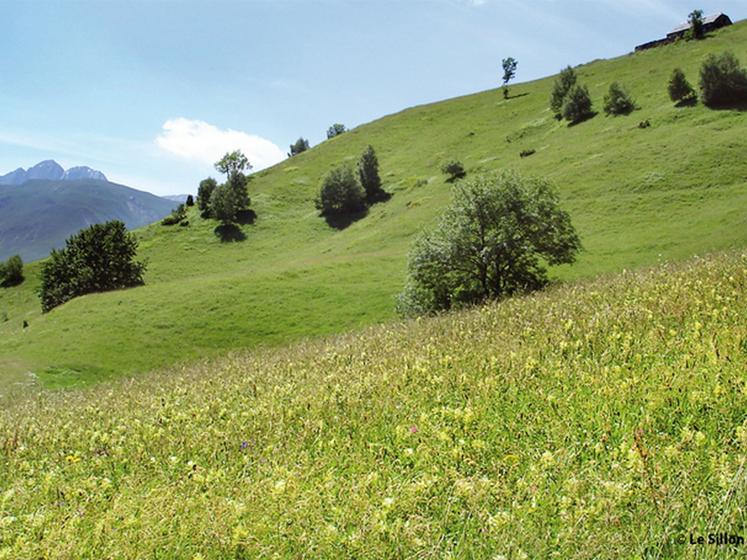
{"x":603,"y":419}
{"x":38,"y":216}
{"x":636,"y":196}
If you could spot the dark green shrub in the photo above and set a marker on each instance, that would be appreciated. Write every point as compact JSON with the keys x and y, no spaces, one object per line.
{"x":11,"y":272}
{"x":644,"y":124}
{"x":368,"y":173}
{"x":300,"y":145}
{"x":618,"y":101}
{"x":230,"y":199}
{"x":493,"y":241}
{"x":563,"y":84}
{"x":204,"y":192}
{"x":341,"y":193}
{"x":527,"y":153}
{"x":679,"y":89}
{"x":722,"y":80}
{"x":190,"y":200}
{"x":335,"y":130}
{"x":454,"y":169}
{"x":176,"y":216}
{"x":577,"y":107}
{"x":96,"y":259}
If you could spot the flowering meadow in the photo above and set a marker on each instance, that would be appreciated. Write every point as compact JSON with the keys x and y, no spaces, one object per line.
{"x":603,"y":419}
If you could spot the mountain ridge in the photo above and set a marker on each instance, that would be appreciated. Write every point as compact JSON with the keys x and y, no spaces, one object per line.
{"x":43,"y":213}
{"x":50,"y":170}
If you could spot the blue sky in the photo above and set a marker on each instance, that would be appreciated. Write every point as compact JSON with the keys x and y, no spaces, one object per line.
{"x":151,"y":92}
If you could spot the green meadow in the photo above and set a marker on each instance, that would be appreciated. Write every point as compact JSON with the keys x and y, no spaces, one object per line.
{"x":598,"y":419}
{"x":638,"y":196}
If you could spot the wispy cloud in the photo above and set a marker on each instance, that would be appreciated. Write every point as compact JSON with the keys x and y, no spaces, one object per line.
{"x":203,"y":142}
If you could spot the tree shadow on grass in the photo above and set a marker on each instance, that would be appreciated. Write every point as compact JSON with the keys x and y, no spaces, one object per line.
{"x":246,"y":217}
{"x":229,"y":233}
{"x":739,"y":105}
{"x":11,"y":282}
{"x":381,"y":196}
{"x":688,"y":102}
{"x":341,"y":221}
{"x":517,"y":95}
{"x":583,"y":120}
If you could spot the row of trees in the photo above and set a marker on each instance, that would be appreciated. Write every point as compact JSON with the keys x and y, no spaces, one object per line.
{"x":11,"y":272}
{"x":722,"y":82}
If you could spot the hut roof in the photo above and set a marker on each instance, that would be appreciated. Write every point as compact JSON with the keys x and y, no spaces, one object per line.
{"x":706,"y":20}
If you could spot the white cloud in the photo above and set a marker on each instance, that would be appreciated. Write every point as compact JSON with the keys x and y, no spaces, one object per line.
{"x":205,"y":143}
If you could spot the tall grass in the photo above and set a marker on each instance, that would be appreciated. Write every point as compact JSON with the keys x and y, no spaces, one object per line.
{"x":603,"y":419}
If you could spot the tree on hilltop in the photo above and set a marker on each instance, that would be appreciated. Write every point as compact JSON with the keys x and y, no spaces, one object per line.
{"x":335,"y":130}
{"x":300,"y":145}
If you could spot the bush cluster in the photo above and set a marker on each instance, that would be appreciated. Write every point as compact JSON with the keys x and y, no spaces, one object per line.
{"x":335,"y":130}
{"x":568,"y":99}
{"x":177,"y":216}
{"x":345,"y":191}
{"x":300,"y":145}
{"x":11,"y":272}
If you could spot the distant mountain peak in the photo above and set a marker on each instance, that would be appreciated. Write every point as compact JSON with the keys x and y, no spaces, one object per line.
{"x":83,"y":172}
{"x":50,"y":170}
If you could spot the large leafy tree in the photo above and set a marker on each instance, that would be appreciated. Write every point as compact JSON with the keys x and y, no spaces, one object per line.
{"x":97,"y":259}
{"x":493,"y":241}
{"x":340,"y":193}
{"x":723,"y":81}
{"x":230,"y":199}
